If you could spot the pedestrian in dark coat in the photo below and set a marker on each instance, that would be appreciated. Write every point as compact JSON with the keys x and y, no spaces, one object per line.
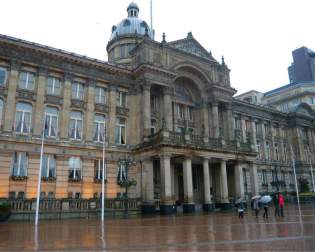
{"x":241,"y":210}
{"x":276,"y":204}
{"x":265,"y":211}
{"x":256,"y":207}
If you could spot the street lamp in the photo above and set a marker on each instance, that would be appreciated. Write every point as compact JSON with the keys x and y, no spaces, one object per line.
{"x":123,"y":180}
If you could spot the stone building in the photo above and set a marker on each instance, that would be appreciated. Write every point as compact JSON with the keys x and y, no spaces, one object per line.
{"x":168,"y":105}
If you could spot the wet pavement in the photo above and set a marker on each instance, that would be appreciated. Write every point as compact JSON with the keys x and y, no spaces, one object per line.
{"x":199,"y":232}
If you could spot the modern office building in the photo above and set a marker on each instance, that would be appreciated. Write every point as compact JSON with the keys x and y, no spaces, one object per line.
{"x":302,"y":69}
{"x":168,"y":105}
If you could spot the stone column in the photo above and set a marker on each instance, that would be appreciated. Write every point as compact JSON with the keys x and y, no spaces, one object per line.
{"x":254,"y":179}
{"x":65,"y":113}
{"x":243,"y":125}
{"x":230,"y":121}
{"x":89,"y":117}
{"x":263,"y":134}
{"x":254,"y":138}
{"x":224,"y":186}
{"x":215,"y":120}
{"x":189,"y":205}
{"x":112,"y":112}
{"x":146,"y":109}
{"x":207,"y":205}
{"x":87,"y":189}
{"x":205,"y":115}
{"x":5,"y":172}
{"x":148,"y":206}
{"x":239,"y":182}
{"x":168,"y":115}
{"x":39,"y":106}
{"x":10,"y":103}
{"x":62,"y":173}
{"x":167,"y":203}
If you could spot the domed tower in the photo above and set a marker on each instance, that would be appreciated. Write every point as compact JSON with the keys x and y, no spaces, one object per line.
{"x":125,"y":35}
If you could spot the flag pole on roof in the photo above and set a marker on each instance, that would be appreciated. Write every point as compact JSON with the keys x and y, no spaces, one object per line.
{"x":45,"y":127}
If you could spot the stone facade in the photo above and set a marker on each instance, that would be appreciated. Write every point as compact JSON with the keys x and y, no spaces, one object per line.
{"x":170,"y":107}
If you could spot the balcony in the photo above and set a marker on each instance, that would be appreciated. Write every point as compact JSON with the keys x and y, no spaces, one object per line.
{"x":171,"y":138}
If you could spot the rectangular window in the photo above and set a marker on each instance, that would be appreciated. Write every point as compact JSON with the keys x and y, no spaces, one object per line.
{"x":23,"y":117}
{"x":264,"y":177}
{"x":100,"y":95}
{"x":121,"y":99}
{"x":190,"y":113}
{"x":27,"y":80}
{"x":99,"y":128}
{"x":20,"y":163}
{"x":53,"y":86}
{"x":77,"y":91}
{"x":120,"y":132}
{"x":75,"y":125}
{"x":98,"y":169}
{"x":49,"y":166}
{"x":267,"y":151}
{"x":180,"y":111}
{"x":75,"y":166}
{"x":51,"y":122}
{"x":154,"y":103}
{"x":3,"y":76}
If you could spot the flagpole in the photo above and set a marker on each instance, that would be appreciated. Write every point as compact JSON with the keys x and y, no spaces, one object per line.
{"x":103,"y":176}
{"x":296,"y":185}
{"x":311,"y":166}
{"x":40,"y":174}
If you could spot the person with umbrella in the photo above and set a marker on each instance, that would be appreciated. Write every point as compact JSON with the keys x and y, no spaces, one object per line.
{"x":255,"y":200}
{"x":265,"y":200}
{"x":240,"y":208}
{"x":276,"y":204}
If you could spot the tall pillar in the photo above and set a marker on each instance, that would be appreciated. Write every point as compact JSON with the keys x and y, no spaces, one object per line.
{"x":64,"y":125}
{"x":168,"y":117}
{"x":112,"y":113}
{"x":167,"y":203}
{"x":239,"y":182}
{"x":10,"y":104}
{"x":254,"y":138}
{"x":254,"y":179}
{"x":148,"y":206}
{"x":230,"y":122}
{"x":243,"y":128}
{"x":146,"y":109}
{"x":224,"y":186}
{"x":263,"y":134}
{"x":89,"y":118}
{"x":189,"y":205}
{"x":205,"y":115}
{"x":39,"y":106}
{"x":215,"y":120}
{"x":207,"y":205}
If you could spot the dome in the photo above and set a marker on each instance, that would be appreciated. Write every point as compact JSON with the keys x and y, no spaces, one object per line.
{"x":131,"y":25}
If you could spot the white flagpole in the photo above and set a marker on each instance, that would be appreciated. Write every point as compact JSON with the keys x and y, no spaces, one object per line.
{"x":103,"y":175}
{"x":40,"y":173}
{"x":310,"y":158}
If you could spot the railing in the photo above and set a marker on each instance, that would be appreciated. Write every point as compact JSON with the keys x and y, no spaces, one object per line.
{"x":175,"y":138}
{"x":71,"y":205}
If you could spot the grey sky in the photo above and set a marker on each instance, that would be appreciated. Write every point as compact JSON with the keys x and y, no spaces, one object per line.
{"x":255,"y":37}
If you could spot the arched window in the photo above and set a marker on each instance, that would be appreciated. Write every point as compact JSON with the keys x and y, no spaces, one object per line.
{"x":23,"y":117}
{"x":75,"y":168}
{"x":51,"y":121}
{"x":126,"y":22}
{"x":75,"y":125}
{"x":99,"y":128}
{"x":1,"y":111}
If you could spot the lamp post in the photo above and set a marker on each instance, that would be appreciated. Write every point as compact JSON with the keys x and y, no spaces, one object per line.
{"x":123,"y":180}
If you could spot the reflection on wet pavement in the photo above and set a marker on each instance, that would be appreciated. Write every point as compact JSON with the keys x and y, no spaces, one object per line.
{"x":207,"y":232}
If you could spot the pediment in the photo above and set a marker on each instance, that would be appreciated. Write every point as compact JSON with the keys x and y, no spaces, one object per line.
{"x":192,"y":46}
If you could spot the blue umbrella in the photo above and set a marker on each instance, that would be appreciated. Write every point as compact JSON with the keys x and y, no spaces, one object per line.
{"x":265,"y":199}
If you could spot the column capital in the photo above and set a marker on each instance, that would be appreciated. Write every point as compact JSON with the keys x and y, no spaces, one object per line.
{"x":215,"y":104}
{"x":15,"y":65}
{"x":112,"y":87}
{"x":68,"y":76}
{"x":146,"y":86}
{"x":92,"y":82}
{"x":168,"y":90}
{"x":42,"y":71}
{"x":165,"y":155}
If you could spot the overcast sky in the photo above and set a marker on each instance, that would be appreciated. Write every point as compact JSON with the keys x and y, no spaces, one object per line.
{"x":255,"y":37}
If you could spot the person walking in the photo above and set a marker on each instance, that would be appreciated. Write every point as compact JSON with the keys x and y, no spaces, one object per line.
{"x":281,"y":203}
{"x":265,"y":211}
{"x":256,"y":207}
{"x":240,"y":210}
{"x":276,"y":204}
